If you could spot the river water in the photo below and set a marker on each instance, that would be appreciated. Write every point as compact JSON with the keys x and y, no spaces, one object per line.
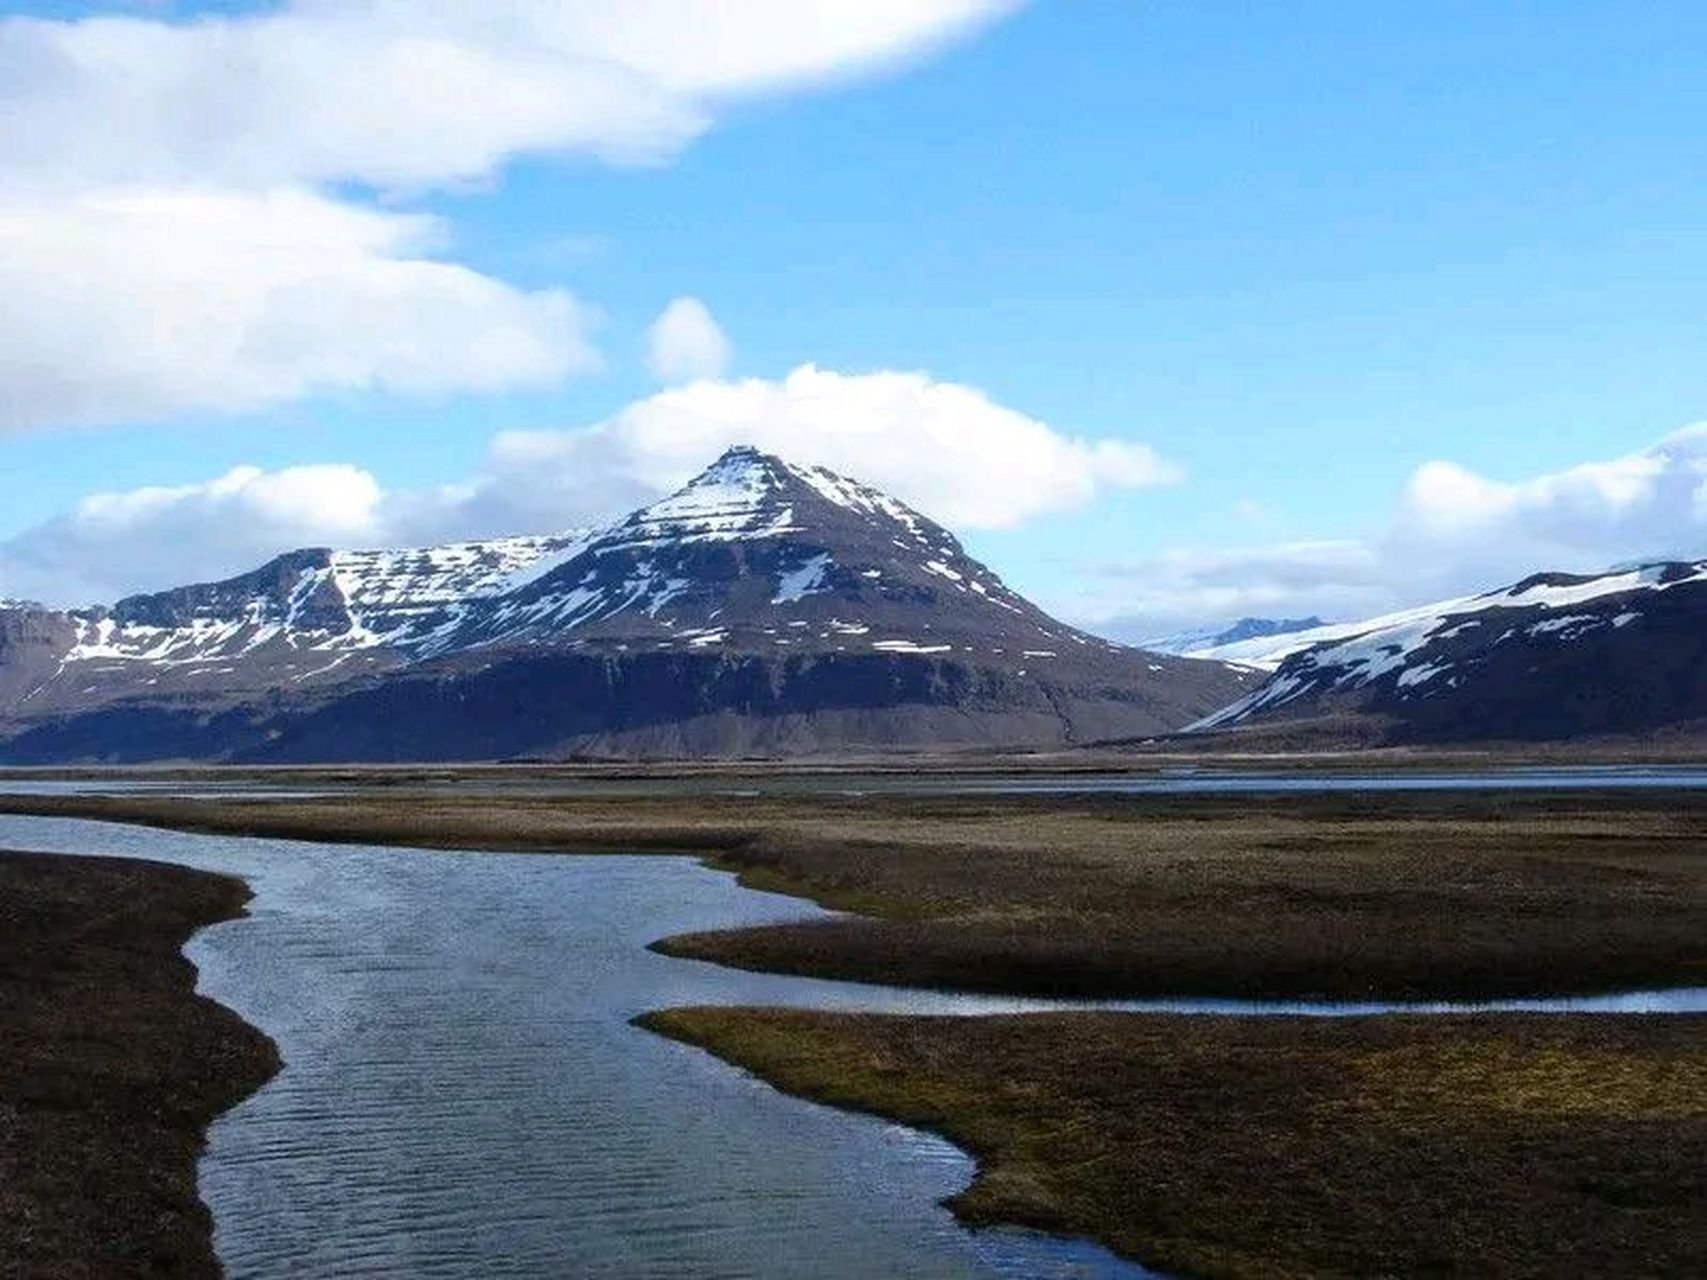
{"x":463,"y":1094}
{"x":1217,"y":780}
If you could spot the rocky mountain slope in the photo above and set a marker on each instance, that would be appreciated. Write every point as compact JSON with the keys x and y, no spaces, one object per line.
{"x":766,"y":607}
{"x":1554,"y":656}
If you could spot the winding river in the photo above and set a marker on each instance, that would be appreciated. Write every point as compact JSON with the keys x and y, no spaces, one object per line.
{"x":463,"y":1093}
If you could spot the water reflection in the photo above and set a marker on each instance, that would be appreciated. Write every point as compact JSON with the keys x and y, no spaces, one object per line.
{"x":463,"y":1094}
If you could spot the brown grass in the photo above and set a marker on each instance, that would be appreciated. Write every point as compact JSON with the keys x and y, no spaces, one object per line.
{"x":1218,"y":1147}
{"x":1401,"y":895}
{"x":111,"y":1067}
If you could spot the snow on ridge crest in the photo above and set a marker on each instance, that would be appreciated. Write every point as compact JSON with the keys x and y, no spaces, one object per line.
{"x":1349,"y":656}
{"x":432,"y":601}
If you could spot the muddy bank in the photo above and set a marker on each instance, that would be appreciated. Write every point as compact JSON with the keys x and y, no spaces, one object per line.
{"x":111,"y":1067}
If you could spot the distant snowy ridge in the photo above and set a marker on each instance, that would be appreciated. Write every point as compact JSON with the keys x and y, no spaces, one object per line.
{"x":1418,"y":652}
{"x":1253,"y":634}
{"x":752,"y":551}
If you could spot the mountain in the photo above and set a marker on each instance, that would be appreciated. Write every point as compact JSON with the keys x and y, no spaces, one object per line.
{"x":764,"y":608}
{"x":1255,"y":634}
{"x":1554,"y":656}
{"x":304,"y":618}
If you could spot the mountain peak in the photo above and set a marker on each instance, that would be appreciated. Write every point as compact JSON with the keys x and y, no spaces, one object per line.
{"x":744,"y":453}
{"x":741,"y":461}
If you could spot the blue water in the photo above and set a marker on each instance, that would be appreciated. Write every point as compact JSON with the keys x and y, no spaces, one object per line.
{"x":463,"y":1094}
{"x":1237,"y":782}
{"x":1170,"y":781}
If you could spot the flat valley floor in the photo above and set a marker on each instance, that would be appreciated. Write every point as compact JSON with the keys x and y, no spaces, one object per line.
{"x":1212,"y":1146}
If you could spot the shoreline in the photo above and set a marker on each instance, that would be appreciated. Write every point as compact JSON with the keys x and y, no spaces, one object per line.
{"x":1413,"y":896}
{"x":939,"y":1074}
{"x":1445,"y":1145}
{"x":113,"y":1068}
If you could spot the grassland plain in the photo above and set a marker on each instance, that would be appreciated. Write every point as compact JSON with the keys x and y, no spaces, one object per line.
{"x":1239,"y":1148}
{"x":1494,"y":1144}
{"x":111,"y":1067}
{"x":1421,"y":894}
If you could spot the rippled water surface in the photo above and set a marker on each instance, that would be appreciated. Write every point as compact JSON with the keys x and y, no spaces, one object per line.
{"x":463,"y":1094}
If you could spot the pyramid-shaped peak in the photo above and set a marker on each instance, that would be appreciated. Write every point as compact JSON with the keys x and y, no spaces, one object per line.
{"x":747,"y":492}
{"x":743,"y":463}
{"x":744,"y":453}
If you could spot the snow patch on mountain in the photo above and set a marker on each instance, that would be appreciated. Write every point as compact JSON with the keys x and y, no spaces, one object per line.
{"x":327,"y":601}
{"x":1211,"y":641}
{"x":1351,"y":656}
{"x":799,"y":583}
{"x":729,"y":500}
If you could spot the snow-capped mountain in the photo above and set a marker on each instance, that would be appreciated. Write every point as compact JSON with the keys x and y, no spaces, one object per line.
{"x":1552,"y":656}
{"x":306,"y":617}
{"x":763,"y":606}
{"x":1260,"y":638}
{"x":757,"y":553}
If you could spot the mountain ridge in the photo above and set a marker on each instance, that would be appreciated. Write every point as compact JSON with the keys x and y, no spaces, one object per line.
{"x":772,"y":606}
{"x":1551,"y":656}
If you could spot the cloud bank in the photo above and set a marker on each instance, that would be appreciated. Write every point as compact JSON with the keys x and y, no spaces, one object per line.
{"x":139,"y":304}
{"x":943,"y":447}
{"x":1452,"y":532}
{"x":190,"y":213}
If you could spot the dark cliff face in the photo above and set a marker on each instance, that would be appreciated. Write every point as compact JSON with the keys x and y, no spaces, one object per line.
{"x":1554,"y":656}
{"x":32,"y":643}
{"x":296,"y":587}
{"x":558,"y":705}
{"x":765,"y":608}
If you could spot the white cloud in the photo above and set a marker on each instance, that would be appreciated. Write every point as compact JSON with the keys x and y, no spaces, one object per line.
{"x":180,"y":220}
{"x":400,"y":93}
{"x":945,"y":448}
{"x":686,"y":343}
{"x":162,"y":536}
{"x":1644,"y":503}
{"x":134,"y":305}
{"x":1453,"y":532}
{"x":1181,"y":588}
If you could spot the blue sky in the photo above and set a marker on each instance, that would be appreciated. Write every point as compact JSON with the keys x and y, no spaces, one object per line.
{"x":1300,"y":251}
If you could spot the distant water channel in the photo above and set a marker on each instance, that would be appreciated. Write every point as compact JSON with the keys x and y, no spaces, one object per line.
{"x":1178,"y":780}
{"x":1222,"y":781}
{"x":463,"y":1095}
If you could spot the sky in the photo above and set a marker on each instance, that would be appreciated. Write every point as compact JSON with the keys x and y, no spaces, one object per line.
{"x":1175,"y":312}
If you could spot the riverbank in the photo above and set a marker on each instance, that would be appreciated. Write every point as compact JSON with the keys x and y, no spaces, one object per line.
{"x":1512,"y":1145}
{"x":1419,"y":895}
{"x":111,"y":1067}
{"x":1211,"y":1146}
